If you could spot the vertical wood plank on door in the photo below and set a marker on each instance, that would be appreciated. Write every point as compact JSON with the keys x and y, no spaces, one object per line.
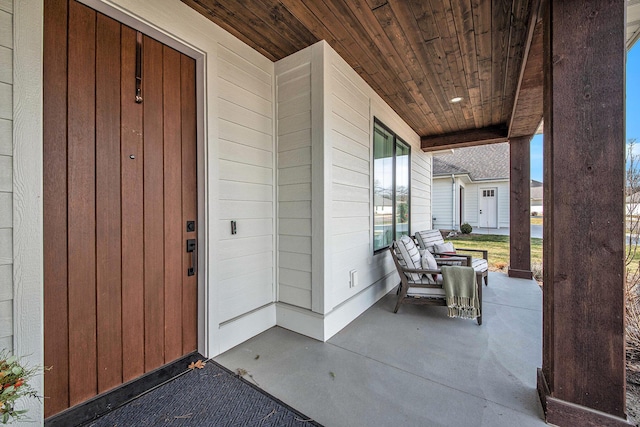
{"x":108,"y":249}
{"x":56,"y":339}
{"x":189,"y":200}
{"x":132,"y":214}
{"x":153,"y":206}
{"x":173,"y":244}
{"x":81,"y":196}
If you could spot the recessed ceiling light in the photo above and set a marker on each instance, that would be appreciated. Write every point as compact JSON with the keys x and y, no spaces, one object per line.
{"x":456,"y":99}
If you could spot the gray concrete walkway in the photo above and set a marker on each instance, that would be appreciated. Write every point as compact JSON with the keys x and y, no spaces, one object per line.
{"x":414,"y":368}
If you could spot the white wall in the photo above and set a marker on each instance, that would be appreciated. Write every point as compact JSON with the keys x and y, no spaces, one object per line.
{"x":244,"y":278}
{"x":343,"y":108}
{"x":293,"y":92}
{"x":472,"y":197}
{"x":503,"y":204}
{"x":353,"y":105}
{"x":6,"y":175}
{"x":472,"y":204}
{"x":349,"y":130}
{"x":442,"y":203}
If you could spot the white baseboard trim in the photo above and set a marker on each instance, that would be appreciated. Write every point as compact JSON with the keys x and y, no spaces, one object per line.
{"x":349,"y":310}
{"x":242,"y":328}
{"x":321,"y":327}
{"x":300,"y":320}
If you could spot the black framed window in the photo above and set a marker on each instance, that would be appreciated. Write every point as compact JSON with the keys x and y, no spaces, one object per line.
{"x":391,"y":189}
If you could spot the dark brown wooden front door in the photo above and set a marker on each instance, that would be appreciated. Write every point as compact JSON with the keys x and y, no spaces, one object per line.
{"x":119,"y":188}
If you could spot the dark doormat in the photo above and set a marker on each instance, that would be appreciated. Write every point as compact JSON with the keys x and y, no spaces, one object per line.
{"x":212,"y":396}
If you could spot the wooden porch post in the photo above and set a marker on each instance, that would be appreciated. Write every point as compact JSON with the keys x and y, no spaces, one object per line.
{"x":582,"y":380}
{"x":520,"y":208}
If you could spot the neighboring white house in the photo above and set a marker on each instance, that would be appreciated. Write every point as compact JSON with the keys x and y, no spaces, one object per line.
{"x":536,"y":197}
{"x":633,"y":204}
{"x":471,"y":185}
{"x":285,"y":151}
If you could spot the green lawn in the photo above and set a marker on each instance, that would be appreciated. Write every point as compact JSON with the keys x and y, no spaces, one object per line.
{"x":536,"y":220}
{"x":498,"y":247}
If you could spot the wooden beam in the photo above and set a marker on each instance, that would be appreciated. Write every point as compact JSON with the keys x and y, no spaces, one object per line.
{"x":584,"y":174}
{"x":520,"y":208}
{"x":467,"y":138}
{"x":531,"y":103}
{"x":527,"y":107}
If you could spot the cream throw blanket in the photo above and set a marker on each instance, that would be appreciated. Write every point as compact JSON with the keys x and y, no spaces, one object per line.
{"x":461,"y":292}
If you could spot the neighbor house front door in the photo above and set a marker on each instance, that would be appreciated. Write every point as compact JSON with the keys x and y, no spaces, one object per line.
{"x":120,"y":204}
{"x":488,"y":214}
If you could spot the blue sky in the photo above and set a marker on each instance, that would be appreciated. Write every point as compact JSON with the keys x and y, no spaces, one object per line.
{"x":632,"y":119}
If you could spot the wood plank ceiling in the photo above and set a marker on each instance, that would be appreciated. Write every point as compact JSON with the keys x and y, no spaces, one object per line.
{"x":417,"y":55}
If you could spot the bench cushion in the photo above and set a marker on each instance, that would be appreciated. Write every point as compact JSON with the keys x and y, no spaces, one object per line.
{"x":409,"y":256}
{"x":479,"y":264}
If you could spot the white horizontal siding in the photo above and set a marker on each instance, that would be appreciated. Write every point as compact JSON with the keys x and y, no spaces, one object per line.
{"x":237,"y":170}
{"x":421,"y":189}
{"x":471,"y":204}
{"x":353,"y":105}
{"x":246,"y":158}
{"x":6,"y":136}
{"x":6,"y":5}
{"x":242,"y":294}
{"x":6,"y":28}
{"x":295,"y":244}
{"x":503,"y":204}
{"x":230,"y":131}
{"x":240,"y":247}
{"x":349,"y":137}
{"x":6,"y":101}
{"x":293,"y":88}
{"x":246,"y":228}
{"x":6,"y":175}
{"x":6,"y":319}
{"x":6,"y":65}
{"x":442,"y":209}
{"x":247,"y":155}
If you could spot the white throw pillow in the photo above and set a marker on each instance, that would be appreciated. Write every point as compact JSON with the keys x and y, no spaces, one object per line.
{"x":428,"y":261}
{"x":445,"y":248}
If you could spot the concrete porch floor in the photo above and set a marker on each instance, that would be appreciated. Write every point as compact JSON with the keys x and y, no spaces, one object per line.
{"x":414,"y":368}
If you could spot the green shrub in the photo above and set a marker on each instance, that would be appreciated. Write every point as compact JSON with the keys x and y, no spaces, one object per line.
{"x":466,"y":228}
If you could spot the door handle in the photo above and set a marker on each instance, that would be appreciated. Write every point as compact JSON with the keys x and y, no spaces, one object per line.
{"x":480,"y":210}
{"x":192,"y":247}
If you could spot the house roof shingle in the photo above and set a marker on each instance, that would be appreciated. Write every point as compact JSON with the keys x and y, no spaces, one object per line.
{"x":482,"y":162}
{"x":537,"y":190}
